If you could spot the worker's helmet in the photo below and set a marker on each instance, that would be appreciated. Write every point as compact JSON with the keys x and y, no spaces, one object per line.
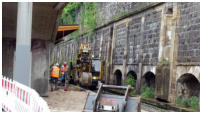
{"x":57,"y":64}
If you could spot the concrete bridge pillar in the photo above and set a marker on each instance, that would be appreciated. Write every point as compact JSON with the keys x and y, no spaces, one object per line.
{"x":22,"y":60}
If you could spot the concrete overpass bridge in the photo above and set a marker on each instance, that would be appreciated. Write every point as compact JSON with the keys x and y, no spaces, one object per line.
{"x":29,"y":31}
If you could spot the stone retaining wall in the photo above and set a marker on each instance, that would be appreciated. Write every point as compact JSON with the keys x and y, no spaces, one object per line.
{"x":164,"y":32}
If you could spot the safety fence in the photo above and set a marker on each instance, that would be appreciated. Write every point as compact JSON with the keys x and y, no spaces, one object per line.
{"x":17,"y":97}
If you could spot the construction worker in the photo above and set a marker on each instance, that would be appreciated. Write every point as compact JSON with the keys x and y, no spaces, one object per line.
{"x":63,"y":69}
{"x":54,"y":75}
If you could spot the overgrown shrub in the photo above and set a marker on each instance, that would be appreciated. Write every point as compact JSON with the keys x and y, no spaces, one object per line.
{"x":143,"y":88}
{"x":87,"y":23}
{"x":133,"y":92}
{"x":178,"y":100}
{"x":185,"y":102}
{"x":130,"y":81}
{"x":192,"y":102}
{"x":146,"y":92}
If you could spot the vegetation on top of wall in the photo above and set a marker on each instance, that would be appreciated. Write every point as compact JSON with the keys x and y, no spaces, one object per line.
{"x":88,"y":18}
{"x":69,"y":13}
{"x":164,"y":62}
{"x":192,"y":102}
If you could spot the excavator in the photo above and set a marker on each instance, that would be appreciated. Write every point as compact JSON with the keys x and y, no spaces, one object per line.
{"x":88,"y":70}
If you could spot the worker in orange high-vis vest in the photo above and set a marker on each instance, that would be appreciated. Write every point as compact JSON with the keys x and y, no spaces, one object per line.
{"x":64,"y":69}
{"x":54,"y":75}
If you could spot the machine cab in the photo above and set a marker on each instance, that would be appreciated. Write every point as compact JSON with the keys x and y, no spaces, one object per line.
{"x":96,"y":68}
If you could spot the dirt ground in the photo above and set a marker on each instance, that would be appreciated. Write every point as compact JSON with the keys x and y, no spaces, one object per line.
{"x":72,"y":100}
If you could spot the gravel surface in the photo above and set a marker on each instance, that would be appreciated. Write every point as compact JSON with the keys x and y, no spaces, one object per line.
{"x":72,"y":100}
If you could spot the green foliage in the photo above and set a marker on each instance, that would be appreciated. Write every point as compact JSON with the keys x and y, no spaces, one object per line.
{"x":130,"y":81}
{"x":145,"y":4}
{"x":69,"y":13}
{"x":164,"y":62}
{"x":120,"y":15}
{"x":185,"y":102}
{"x":178,"y":100}
{"x":88,"y":17}
{"x":146,"y":92}
{"x":180,"y":110}
{"x":88,"y":21}
{"x":192,"y":102}
{"x":133,"y":92}
{"x":143,"y":88}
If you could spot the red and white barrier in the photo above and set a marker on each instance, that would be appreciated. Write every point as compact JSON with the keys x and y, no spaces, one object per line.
{"x":17,"y":97}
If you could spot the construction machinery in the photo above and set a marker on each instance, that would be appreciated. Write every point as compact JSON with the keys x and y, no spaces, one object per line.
{"x":88,"y":70}
{"x":104,"y":100}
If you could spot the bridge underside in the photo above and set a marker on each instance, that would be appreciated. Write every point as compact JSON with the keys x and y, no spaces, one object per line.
{"x":45,"y":20}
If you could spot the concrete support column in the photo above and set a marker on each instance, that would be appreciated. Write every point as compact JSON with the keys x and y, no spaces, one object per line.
{"x":22,"y":62}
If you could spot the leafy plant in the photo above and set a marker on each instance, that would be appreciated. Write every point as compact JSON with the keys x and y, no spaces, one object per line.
{"x":164,"y":62}
{"x":185,"y":102}
{"x":192,"y":102}
{"x":88,"y":17}
{"x":133,"y":92}
{"x":143,"y":88}
{"x":178,"y":100}
{"x":69,"y":13}
{"x":130,"y":81}
{"x":146,"y":92}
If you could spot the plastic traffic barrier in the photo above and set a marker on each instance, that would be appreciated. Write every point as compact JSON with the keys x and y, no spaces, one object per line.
{"x":17,"y":97}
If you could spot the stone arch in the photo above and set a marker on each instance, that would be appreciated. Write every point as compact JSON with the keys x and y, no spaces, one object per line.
{"x":149,"y":79}
{"x":133,"y":74}
{"x":194,"y":70}
{"x":118,"y":77}
{"x":188,"y":85}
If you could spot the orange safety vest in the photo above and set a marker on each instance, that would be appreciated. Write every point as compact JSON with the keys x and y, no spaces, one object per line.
{"x":63,"y":69}
{"x":55,"y":72}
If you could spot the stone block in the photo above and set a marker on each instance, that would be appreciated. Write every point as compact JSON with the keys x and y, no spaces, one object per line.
{"x":195,"y":59}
